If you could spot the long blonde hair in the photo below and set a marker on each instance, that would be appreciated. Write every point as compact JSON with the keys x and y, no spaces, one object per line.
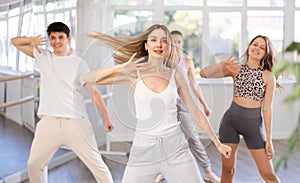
{"x":125,"y":46}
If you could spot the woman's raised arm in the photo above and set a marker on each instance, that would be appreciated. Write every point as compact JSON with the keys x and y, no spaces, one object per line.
{"x":125,"y":73}
{"x":229,"y":67}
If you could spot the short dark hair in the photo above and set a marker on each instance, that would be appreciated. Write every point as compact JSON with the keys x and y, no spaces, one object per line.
{"x":58,"y":27}
{"x":176,"y":32}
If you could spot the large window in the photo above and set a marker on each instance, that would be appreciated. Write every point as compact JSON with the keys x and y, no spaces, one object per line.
{"x":183,"y":3}
{"x":212,"y":29}
{"x":229,"y":3}
{"x":132,"y":2}
{"x":269,"y":23}
{"x":189,"y":23}
{"x":131,"y":22}
{"x":266,"y":3}
{"x":224,"y":35}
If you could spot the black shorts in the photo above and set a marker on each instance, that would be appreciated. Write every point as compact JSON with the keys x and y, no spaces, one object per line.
{"x":247,"y":122}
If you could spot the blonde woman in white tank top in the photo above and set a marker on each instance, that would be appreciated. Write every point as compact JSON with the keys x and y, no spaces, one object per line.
{"x":159,"y":146}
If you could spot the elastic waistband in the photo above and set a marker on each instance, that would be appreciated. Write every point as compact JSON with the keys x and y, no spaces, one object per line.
{"x":176,"y":132}
{"x":240,"y":110}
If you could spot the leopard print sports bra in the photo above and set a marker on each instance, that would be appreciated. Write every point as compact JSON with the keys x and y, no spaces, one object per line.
{"x":249,"y":83}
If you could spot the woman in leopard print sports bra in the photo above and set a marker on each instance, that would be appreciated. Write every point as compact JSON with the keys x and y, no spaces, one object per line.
{"x":253,"y":93}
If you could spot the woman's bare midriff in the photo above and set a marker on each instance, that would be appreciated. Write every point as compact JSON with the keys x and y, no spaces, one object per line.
{"x":248,"y":103}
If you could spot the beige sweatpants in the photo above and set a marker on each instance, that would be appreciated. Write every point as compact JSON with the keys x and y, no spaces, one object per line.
{"x":53,"y":132}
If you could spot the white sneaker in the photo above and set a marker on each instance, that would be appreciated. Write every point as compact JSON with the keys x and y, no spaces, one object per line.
{"x":211,"y":177}
{"x":159,"y":178}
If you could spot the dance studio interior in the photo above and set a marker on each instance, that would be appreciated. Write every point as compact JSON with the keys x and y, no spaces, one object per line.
{"x":212,"y":30}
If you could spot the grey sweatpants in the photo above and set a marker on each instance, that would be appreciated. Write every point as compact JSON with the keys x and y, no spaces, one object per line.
{"x":54,"y":132}
{"x":168,"y":155}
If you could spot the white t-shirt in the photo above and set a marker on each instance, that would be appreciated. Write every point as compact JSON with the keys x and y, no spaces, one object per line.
{"x":61,"y":82}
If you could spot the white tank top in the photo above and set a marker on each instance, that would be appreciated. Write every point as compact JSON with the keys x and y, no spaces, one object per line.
{"x":182,"y":65}
{"x":156,"y":112}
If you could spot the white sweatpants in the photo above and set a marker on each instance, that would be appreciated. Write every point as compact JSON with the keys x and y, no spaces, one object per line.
{"x":77,"y":134}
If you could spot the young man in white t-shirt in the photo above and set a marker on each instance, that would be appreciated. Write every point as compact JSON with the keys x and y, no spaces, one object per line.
{"x":64,"y":121}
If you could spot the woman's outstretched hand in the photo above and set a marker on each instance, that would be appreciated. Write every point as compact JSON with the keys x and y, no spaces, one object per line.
{"x":232,"y":65}
{"x":132,"y":65}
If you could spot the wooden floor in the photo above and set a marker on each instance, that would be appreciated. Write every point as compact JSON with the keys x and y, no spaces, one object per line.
{"x":15,"y":144}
